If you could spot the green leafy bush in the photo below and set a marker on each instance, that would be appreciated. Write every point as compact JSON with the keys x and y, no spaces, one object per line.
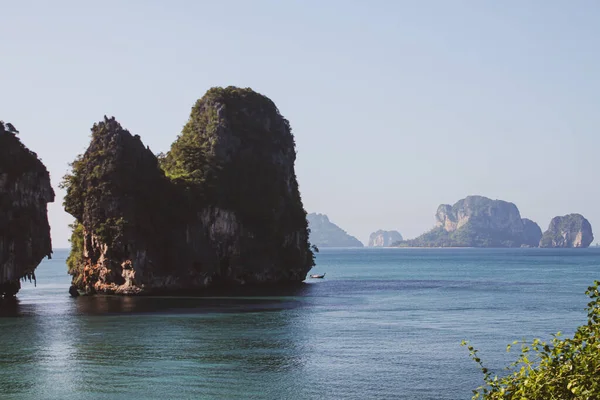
{"x":563,"y":369}
{"x":75,"y":262}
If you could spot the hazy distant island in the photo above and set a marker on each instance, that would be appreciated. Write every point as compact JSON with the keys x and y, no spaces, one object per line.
{"x":478,"y":221}
{"x":222,"y":207}
{"x":25,"y":192}
{"x":571,"y":230}
{"x":383,"y":238}
{"x":324,"y":233}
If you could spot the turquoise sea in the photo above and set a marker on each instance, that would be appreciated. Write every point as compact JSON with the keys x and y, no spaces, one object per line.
{"x":383,"y":324}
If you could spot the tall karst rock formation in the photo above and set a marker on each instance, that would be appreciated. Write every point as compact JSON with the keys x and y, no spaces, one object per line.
{"x":222,"y":207}
{"x":25,"y":192}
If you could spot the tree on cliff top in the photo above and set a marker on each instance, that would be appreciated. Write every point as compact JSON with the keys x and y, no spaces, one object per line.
{"x":9,"y":127}
{"x":237,"y":151}
{"x":564,"y":369}
{"x":194,"y":156}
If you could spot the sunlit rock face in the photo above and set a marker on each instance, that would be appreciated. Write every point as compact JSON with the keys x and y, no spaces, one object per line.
{"x":25,"y":192}
{"x":571,"y":230}
{"x":384,"y":238}
{"x":478,"y":221}
{"x":222,"y":207}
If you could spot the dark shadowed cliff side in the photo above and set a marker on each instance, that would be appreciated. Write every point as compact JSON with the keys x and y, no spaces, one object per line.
{"x":324,"y":233}
{"x":24,"y":193}
{"x":571,"y":230}
{"x":222,"y":207}
{"x":532,"y":233}
{"x":477,"y":221}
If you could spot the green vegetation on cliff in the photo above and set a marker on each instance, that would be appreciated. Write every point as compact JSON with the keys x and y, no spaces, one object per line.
{"x":233,"y":135}
{"x":467,"y":236}
{"x":563,"y":369}
{"x":222,"y":205}
{"x":75,"y":261}
{"x":194,"y":157}
{"x":437,"y":237}
{"x":116,"y":185}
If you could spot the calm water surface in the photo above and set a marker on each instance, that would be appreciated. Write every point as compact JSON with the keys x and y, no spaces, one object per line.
{"x":383,"y":324}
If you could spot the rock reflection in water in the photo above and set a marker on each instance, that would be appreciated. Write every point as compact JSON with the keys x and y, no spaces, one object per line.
{"x":242,"y":299}
{"x":113,"y":345}
{"x":199,"y":343}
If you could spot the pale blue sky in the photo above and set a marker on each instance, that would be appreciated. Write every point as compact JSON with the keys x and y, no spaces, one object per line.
{"x":397,"y":106}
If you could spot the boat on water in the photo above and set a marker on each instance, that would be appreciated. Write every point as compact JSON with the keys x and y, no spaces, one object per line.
{"x":317,"y":276}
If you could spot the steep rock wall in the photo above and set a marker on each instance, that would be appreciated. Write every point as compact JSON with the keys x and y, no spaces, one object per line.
{"x":571,"y":230}
{"x":222,"y":207}
{"x":532,"y":233}
{"x":24,"y":230}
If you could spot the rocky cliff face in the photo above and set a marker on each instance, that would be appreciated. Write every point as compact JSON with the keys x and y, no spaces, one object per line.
{"x":384,"y":238}
{"x":24,"y":193}
{"x":480,"y":212}
{"x":222,"y":207}
{"x":324,"y":233}
{"x":571,"y":230}
{"x":477,"y":221}
{"x":532,"y":233}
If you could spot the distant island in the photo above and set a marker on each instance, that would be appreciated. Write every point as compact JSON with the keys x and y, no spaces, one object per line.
{"x":477,"y":221}
{"x":571,"y":230}
{"x":382,"y":238}
{"x":324,"y":233}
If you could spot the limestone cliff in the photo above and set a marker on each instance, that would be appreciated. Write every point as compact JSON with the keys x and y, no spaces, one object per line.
{"x":532,"y":233}
{"x":24,"y":193}
{"x":384,"y":238}
{"x":571,"y":230}
{"x":222,"y":207}
{"x":477,"y":221}
{"x":324,"y":233}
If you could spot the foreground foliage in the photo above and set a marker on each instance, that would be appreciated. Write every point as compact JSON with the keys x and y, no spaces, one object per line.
{"x":563,"y":369}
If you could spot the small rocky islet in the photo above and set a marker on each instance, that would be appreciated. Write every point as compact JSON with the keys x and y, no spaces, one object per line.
{"x":383,"y":238}
{"x":571,"y":230}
